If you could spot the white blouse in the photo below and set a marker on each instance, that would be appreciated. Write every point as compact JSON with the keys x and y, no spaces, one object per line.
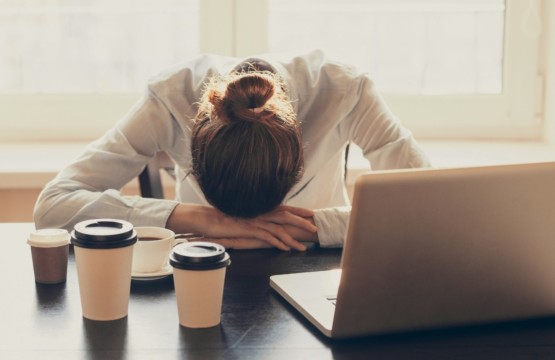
{"x":335,"y":104}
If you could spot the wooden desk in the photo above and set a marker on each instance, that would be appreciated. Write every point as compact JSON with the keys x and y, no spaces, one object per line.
{"x":45,"y":322}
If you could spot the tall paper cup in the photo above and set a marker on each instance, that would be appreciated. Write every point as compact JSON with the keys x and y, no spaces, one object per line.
{"x":104,"y":254}
{"x":199,"y":274}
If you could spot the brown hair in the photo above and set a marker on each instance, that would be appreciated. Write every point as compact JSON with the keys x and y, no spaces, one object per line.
{"x":246,"y":144}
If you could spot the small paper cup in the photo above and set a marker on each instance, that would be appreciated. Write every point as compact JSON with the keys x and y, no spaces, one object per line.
{"x":49,"y":251}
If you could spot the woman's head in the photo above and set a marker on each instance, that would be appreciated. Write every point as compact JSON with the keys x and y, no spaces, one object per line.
{"x":246,"y":144}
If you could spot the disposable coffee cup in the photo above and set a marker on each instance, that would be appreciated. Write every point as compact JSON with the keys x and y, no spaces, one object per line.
{"x":152,"y":250}
{"x":104,"y":254}
{"x":49,"y":251}
{"x":199,"y":275}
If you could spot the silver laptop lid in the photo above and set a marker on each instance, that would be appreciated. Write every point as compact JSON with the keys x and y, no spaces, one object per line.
{"x":441,"y":247}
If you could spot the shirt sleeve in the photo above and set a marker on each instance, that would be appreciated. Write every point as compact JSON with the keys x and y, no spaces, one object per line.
{"x":89,"y":187}
{"x":332,"y":225}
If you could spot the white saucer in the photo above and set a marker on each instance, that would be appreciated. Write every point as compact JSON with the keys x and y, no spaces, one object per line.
{"x":160,"y":274}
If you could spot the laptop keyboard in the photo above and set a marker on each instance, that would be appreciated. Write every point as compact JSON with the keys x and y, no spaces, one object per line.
{"x":332,"y":299}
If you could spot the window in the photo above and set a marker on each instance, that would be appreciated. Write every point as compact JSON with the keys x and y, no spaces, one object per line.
{"x":448,"y":68}
{"x":92,"y":47}
{"x":408,"y":47}
{"x":69,"y":68}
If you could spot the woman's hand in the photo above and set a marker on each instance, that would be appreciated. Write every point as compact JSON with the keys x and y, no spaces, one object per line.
{"x":272,"y":229}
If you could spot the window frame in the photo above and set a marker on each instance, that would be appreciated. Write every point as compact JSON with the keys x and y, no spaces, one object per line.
{"x":513,"y":114}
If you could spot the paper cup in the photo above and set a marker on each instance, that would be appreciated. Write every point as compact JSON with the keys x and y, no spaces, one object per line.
{"x":199,"y":275}
{"x":49,"y":251}
{"x":104,"y":254}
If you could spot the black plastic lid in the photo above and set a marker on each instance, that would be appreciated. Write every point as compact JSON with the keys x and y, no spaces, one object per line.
{"x":103,"y":234}
{"x":199,"y":255}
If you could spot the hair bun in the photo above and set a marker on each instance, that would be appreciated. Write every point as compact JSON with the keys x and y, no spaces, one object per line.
{"x":246,"y":96}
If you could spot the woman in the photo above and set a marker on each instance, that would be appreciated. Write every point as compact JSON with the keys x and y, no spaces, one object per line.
{"x":258,"y":147}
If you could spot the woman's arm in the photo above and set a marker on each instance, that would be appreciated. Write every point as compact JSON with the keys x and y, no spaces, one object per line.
{"x":282,"y":228}
{"x":89,"y":187}
{"x":385,"y":142}
{"x":370,"y":124}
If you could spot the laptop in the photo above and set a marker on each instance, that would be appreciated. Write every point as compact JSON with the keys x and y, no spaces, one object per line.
{"x":434,"y":248}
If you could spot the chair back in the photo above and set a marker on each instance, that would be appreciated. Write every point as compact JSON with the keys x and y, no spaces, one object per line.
{"x":150,"y":181}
